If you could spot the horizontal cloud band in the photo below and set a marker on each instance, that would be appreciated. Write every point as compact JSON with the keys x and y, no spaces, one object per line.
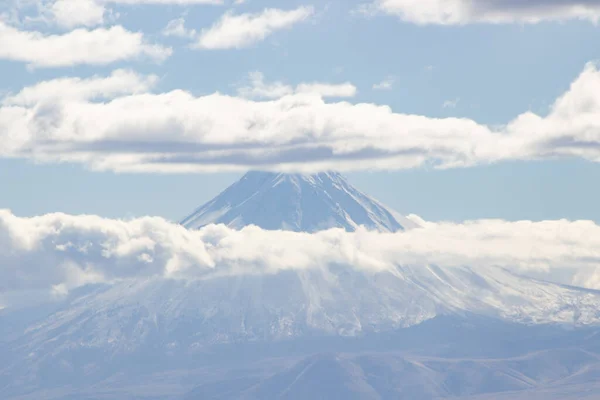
{"x":61,"y":252}
{"x":134,"y":130}
{"x":461,"y":12}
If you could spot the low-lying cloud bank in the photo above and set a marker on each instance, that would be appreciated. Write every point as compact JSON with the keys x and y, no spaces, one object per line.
{"x":55,"y":253}
{"x":133,"y":129}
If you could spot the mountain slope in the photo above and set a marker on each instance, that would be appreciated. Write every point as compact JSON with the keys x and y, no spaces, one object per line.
{"x":139,"y":331}
{"x":398,"y":376}
{"x":296,"y":202}
{"x":143,"y":328}
{"x":185,"y":316}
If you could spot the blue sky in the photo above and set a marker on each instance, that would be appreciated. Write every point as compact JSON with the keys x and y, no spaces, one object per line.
{"x":486,"y":72}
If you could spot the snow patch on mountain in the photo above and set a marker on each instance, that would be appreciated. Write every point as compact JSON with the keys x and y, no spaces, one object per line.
{"x":334,"y":301}
{"x":296,"y":202}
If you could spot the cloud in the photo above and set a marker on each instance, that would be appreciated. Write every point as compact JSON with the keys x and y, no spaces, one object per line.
{"x":328,"y":90}
{"x":70,"y":14}
{"x":461,"y":12}
{"x":120,"y":82}
{"x":167,"y":2}
{"x":260,"y":89}
{"x":89,"y":13}
{"x":73,"y":13}
{"x":179,"y":132}
{"x":177,"y":28}
{"x":58,"y":252}
{"x":385,"y":84}
{"x":451,"y":103}
{"x":81,"y":46}
{"x":243,"y":30}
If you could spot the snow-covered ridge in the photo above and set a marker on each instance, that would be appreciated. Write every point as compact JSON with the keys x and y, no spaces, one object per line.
{"x":296,"y":202}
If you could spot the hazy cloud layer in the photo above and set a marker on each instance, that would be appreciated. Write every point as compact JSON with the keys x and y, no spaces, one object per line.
{"x":140,"y":131}
{"x":58,"y":252}
{"x":81,"y":46}
{"x":460,"y":12}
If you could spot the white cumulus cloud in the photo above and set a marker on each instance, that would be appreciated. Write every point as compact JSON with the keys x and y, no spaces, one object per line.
{"x":120,"y":82}
{"x":178,"y":132}
{"x":80,"y":46}
{"x":243,"y":30}
{"x":328,"y":90}
{"x":73,"y":13}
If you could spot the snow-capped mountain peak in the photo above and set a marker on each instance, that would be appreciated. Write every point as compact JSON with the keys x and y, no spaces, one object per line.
{"x":296,"y":202}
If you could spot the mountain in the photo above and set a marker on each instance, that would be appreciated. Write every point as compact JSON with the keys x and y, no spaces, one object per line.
{"x":547,"y":374}
{"x":337,"y":301}
{"x":411,"y":331}
{"x":136,"y":331}
{"x":296,"y":202}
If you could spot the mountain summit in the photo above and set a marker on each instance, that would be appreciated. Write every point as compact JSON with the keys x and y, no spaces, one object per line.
{"x":296,"y":202}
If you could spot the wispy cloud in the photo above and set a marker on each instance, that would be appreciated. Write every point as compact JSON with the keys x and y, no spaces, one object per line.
{"x":243,"y":30}
{"x":451,"y":103}
{"x":386,"y":84}
{"x":177,"y":28}
{"x":259,"y":88}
